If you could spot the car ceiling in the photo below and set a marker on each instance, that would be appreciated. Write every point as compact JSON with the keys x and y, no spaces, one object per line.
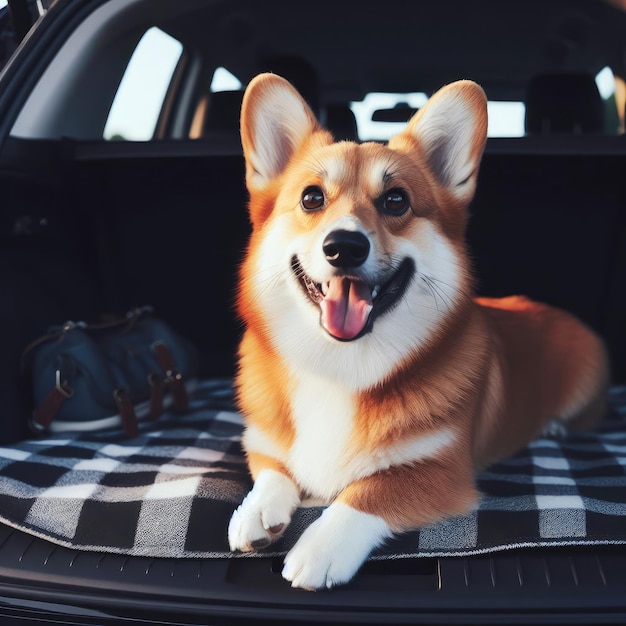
{"x":405,"y":46}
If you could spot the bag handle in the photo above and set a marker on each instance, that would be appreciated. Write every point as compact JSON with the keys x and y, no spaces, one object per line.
{"x":125,"y":324}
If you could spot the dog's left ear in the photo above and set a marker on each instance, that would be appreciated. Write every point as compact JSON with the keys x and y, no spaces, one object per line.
{"x":451,"y":129}
{"x":275,"y":120}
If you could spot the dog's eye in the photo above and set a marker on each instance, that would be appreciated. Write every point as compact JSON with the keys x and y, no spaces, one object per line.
{"x":395,"y":202}
{"x":312,"y":199}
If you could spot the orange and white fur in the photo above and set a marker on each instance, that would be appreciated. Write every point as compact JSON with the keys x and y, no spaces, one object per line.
{"x":370,"y":378}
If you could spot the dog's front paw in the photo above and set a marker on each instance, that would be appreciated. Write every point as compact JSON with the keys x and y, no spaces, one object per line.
{"x":265,"y":512}
{"x":334,"y":547}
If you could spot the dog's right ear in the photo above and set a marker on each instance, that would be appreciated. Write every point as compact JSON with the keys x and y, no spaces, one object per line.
{"x":451,"y":130}
{"x":275,"y":120}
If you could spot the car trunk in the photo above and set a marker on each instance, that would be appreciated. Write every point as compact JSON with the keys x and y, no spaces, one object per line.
{"x":91,"y":228}
{"x":164,"y":224}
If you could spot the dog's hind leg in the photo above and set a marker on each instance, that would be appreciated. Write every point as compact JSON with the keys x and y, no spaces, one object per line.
{"x":590,"y":392}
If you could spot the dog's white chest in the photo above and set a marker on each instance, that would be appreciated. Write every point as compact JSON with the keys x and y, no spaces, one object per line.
{"x":323,"y":458}
{"x":323,"y":415}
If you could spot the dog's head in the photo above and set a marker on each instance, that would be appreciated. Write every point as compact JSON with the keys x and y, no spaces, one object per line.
{"x":356,"y":250}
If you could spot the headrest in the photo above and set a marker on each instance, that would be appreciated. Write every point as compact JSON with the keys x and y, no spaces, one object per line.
{"x":300,"y":73}
{"x":340,"y":121}
{"x":564,"y":103}
{"x":224,"y":109}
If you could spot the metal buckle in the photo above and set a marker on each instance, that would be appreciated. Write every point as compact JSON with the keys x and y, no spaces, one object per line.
{"x":62,"y":387}
{"x":172,"y":375}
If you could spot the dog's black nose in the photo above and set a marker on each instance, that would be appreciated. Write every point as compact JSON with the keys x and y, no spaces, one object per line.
{"x":346,"y":248}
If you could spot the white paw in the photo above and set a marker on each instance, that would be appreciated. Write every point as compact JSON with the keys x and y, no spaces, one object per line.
{"x":265,"y":512}
{"x":333,"y":548}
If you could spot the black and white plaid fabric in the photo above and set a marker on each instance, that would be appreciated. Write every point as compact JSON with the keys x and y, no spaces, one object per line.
{"x":170,"y":492}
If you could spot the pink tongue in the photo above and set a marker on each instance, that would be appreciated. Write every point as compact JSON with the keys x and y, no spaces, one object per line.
{"x":346,"y":307}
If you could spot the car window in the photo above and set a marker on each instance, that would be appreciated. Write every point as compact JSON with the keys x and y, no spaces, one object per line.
{"x":143,"y":89}
{"x":506,"y":118}
{"x":223,"y":80}
{"x":613,"y":94}
{"x":374,"y":112}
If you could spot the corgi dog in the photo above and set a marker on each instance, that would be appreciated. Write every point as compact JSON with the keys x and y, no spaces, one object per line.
{"x":370,"y":378}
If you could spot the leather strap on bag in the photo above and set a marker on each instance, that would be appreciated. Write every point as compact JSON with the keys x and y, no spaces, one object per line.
{"x":127,"y":412}
{"x":43,"y":416}
{"x":172,"y":376}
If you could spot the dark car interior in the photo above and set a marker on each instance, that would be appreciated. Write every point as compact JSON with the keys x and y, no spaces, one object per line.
{"x":91,"y":227}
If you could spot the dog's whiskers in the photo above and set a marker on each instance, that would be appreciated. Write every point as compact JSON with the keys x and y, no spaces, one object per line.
{"x":446,"y":299}
{"x":266,"y":283}
{"x":431,"y":289}
{"x":443,"y":293}
{"x":460,"y":291}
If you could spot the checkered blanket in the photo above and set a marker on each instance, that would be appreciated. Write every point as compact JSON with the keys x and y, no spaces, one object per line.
{"x":170,"y":491}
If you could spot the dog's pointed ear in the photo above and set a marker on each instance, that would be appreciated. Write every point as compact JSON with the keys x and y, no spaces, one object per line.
{"x":451,"y":130}
{"x":275,"y":120}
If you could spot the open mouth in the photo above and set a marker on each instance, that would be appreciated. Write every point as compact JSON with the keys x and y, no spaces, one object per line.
{"x":348,"y":305}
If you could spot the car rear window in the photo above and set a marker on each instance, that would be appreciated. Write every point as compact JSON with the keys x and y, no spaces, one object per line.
{"x":143,"y":89}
